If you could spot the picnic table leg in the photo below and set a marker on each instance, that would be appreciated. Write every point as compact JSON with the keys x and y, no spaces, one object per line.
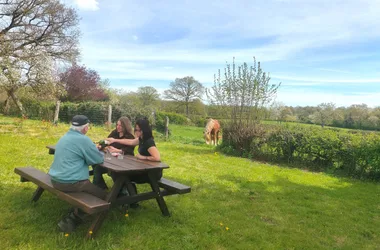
{"x":130,"y":186}
{"x":37,"y":194}
{"x":96,"y":224}
{"x":159,"y":198}
{"x":112,"y":195}
{"x":116,"y":188}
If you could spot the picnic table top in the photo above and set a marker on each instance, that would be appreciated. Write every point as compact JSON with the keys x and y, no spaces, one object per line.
{"x":127,"y":164}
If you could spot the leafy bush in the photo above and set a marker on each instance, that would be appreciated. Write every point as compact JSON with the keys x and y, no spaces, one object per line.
{"x":355,"y":154}
{"x":32,"y":109}
{"x":173,"y":119}
{"x":199,"y":121}
{"x":97,"y":112}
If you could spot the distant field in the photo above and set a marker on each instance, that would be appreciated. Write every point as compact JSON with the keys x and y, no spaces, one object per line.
{"x":313,"y":125}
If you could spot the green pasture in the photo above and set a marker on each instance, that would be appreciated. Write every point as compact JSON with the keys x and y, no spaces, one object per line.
{"x":297,"y":124}
{"x":235,"y":203}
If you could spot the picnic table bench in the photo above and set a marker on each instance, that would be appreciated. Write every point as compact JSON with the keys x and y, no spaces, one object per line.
{"x":121,"y":169}
{"x":85,"y":201}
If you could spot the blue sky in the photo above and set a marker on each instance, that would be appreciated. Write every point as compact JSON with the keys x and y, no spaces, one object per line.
{"x":320,"y":51}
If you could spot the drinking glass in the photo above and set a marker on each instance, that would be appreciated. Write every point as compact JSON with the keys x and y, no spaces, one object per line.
{"x":120,"y":156}
{"x":108,"y":155}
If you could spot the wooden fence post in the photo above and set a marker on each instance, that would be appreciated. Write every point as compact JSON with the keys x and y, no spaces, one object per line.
{"x":153,"y":119}
{"x":109,"y":122}
{"x":167,"y":128}
{"x":56,"y":113}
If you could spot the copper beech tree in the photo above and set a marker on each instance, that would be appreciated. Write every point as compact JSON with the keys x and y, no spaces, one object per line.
{"x":33,"y":35}
{"x":82,"y":84}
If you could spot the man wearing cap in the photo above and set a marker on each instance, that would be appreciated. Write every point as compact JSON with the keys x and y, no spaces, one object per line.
{"x":74,"y":152}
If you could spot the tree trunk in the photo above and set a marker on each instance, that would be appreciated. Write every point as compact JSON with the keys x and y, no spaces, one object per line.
{"x":56,"y":113}
{"x":7,"y":105}
{"x":187,"y":109}
{"x":16,"y":101}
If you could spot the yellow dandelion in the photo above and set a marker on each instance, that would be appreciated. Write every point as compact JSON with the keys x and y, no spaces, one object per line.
{"x":221,"y":223}
{"x":90,"y":232}
{"x":66,"y":235}
{"x":126,"y":215}
{"x":227,"y":228}
{"x":216,"y":153}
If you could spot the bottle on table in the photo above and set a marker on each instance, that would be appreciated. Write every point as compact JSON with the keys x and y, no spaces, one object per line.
{"x":103,"y":144}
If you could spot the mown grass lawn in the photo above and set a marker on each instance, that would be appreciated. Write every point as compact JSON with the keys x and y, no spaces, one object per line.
{"x":234,"y":204}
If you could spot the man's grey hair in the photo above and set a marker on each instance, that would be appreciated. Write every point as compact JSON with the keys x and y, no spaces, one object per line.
{"x":79,"y":128}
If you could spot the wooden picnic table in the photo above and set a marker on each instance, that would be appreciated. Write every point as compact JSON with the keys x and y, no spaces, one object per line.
{"x":121,"y":171}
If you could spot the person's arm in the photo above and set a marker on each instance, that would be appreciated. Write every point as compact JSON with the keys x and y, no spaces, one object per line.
{"x":91,"y":153}
{"x":129,"y":142}
{"x":114,"y":150}
{"x":154,"y":155}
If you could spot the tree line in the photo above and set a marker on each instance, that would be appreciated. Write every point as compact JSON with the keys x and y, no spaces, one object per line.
{"x":356,"y":116}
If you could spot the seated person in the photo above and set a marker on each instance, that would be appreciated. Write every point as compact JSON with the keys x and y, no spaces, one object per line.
{"x":74,"y":152}
{"x":123,"y":131}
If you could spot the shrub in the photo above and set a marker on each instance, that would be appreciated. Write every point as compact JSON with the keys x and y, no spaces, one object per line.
{"x":38,"y":110}
{"x":355,"y":154}
{"x":199,"y":121}
{"x":97,"y":112}
{"x":173,"y":119}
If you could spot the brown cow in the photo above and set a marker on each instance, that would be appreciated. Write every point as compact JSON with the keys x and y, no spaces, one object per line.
{"x":211,"y":133}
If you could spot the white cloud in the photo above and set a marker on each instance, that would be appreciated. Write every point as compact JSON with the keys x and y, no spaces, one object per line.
{"x":87,"y":4}
{"x":320,"y":80}
{"x":293,"y":26}
{"x":216,"y":32}
{"x":304,"y":98}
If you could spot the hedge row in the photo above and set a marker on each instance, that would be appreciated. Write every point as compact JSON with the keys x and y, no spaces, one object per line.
{"x":354,"y":153}
{"x":97,"y":112}
{"x":174,"y":118}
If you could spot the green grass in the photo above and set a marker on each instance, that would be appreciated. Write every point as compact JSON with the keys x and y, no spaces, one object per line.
{"x":298,"y":124}
{"x":264,"y":206}
{"x":186,"y":134}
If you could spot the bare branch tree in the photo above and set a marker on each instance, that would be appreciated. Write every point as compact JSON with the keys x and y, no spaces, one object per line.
{"x":33,"y":32}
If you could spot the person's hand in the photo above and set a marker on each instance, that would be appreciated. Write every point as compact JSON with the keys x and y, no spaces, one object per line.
{"x":111,"y":140}
{"x":113,"y":149}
